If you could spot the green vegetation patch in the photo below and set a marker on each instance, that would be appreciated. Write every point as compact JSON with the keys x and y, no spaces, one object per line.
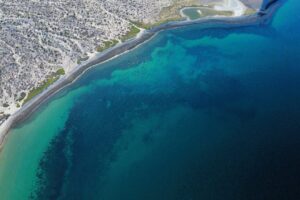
{"x":107,"y":44}
{"x":60,"y":72}
{"x":149,"y":26}
{"x":166,"y":21}
{"x":142,"y":25}
{"x":133,"y":31}
{"x":250,"y":11}
{"x":35,"y":91}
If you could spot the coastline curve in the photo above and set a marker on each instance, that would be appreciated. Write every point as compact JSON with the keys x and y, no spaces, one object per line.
{"x":264,"y":16}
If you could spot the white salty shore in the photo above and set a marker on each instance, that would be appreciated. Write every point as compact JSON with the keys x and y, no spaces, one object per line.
{"x":235,"y":6}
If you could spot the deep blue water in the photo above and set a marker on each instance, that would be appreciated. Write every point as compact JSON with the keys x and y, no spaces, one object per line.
{"x":193,"y":114}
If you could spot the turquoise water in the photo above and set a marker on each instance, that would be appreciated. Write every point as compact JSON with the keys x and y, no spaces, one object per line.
{"x":192,"y":114}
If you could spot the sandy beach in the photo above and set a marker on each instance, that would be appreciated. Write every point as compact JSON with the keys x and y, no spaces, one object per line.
{"x":262,"y":17}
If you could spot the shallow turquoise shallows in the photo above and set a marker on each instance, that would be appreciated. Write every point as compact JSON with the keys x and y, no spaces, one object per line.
{"x":192,"y":114}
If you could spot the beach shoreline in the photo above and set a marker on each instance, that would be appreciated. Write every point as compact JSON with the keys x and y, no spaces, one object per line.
{"x":263,"y":16}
